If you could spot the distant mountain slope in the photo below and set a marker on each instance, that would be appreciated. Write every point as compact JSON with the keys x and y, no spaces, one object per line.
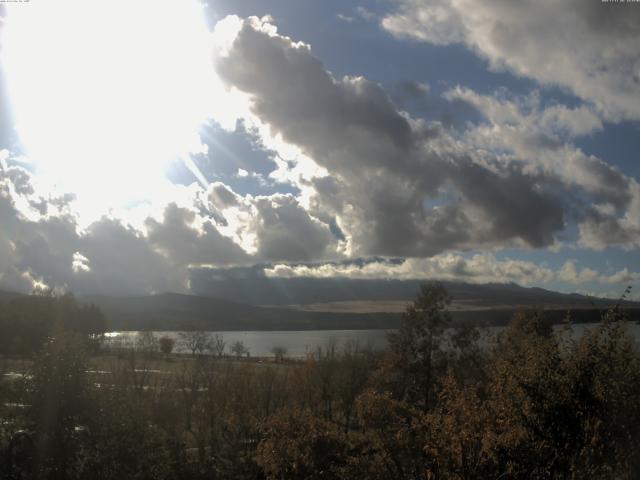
{"x":485,"y":304}
{"x":185,"y":312}
{"x":479,"y":304}
{"x":5,"y":295}
{"x":262,"y":290}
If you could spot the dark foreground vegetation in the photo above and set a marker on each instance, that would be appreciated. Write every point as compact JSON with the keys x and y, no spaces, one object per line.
{"x":532,"y":404}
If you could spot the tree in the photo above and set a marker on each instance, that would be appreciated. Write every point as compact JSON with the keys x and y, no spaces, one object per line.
{"x":419,"y":337}
{"x":146,"y":343}
{"x":218,"y":343}
{"x":59,"y":403}
{"x":166,"y":345}
{"x":26,"y":321}
{"x":296,"y":444}
{"x":279,"y":353}
{"x":197,"y":341}
{"x":239,"y":349}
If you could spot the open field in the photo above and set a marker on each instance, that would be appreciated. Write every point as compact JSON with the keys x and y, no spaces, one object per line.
{"x":399,"y":306}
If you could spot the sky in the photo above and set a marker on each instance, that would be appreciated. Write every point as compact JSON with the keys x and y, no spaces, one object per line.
{"x":145,"y":147}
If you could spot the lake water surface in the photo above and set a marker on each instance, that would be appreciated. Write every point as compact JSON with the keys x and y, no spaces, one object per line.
{"x":300,"y":343}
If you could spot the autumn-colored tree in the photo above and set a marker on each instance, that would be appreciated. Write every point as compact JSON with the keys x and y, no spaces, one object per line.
{"x":300,"y":445}
{"x":412,"y":349}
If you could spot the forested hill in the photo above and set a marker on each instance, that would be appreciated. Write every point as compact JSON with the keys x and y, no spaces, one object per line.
{"x":262,"y":290}
{"x":186,"y":312}
{"x":477,"y":304}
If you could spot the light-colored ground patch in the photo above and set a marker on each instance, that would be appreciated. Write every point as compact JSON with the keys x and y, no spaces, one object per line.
{"x":399,"y":306}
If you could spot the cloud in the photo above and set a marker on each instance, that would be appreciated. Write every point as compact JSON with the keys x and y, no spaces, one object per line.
{"x":111,"y":257}
{"x":621,"y":277}
{"x":479,"y":268}
{"x":285,"y":231}
{"x":587,"y":46}
{"x":570,"y":274}
{"x":476,"y":268}
{"x":360,"y":178}
{"x":345,"y":18}
{"x":603,"y":226}
{"x":42,"y":243}
{"x":222,"y":197}
{"x":123,"y":262}
{"x":602,"y":200}
{"x":436,"y":22}
{"x":183,"y":242}
{"x":394,"y":185}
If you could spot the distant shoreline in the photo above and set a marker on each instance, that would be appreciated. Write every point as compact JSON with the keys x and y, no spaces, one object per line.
{"x":488,"y":317}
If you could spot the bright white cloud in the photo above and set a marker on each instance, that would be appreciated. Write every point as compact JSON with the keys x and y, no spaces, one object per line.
{"x":589,"y":47}
{"x":477,"y":268}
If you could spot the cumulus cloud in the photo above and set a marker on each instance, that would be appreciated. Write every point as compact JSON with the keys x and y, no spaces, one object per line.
{"x":399,"y":186}
{"x":621,"y":277}
{"x":185,"y":243}
{"x":367,"y":178}
{"x":587,"y":46}
{"x":122,"y":261}
{"x":383,"y":164}
{"x":285,"y":231}
{"x":603,"y":226}
{"x":570,"y":274}
{"x":41,"y":243}
{"x":477,"y":268}
{"x":538,"y":138}
{"x":112,"y":257}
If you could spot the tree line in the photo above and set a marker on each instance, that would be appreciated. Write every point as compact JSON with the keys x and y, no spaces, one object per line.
{"x":27,"y":321}
{"x":440,"y":403}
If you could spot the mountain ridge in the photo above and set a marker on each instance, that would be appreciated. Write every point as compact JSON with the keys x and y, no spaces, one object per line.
{"x":472,"y":303}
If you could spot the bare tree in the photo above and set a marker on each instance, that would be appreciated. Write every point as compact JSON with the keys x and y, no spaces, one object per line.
{"x":218,"y":344}
{"x":197,"y":341}
{"x":279,"y":353}
{"x":239,"y":349}
{"x":146,"y":343}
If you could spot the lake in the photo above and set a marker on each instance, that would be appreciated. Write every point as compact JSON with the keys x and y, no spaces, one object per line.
{"x":299,"y":343}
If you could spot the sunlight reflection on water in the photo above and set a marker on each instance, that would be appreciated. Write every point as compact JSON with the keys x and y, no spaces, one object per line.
{"x":300,"y":343}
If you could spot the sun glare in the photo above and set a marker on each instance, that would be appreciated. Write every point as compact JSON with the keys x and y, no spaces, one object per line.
{"x":107,"y":94}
